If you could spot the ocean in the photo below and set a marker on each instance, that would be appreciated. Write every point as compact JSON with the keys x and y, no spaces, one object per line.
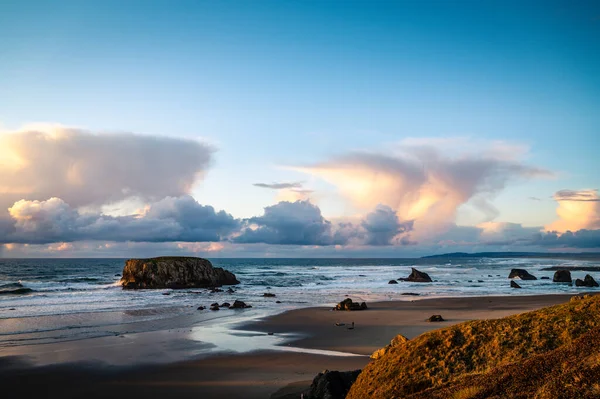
{"x":52,"y":300}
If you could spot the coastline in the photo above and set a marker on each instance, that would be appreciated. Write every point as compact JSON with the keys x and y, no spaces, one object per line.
{"x":262,"y":364}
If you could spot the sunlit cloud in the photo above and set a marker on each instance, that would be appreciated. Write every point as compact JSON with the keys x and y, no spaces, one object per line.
{"x":577,"y":209}
{"x":426,"y":180}
{"x":87,"y":168}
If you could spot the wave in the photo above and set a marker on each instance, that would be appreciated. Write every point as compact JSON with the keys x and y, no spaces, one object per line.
{"x":80,"y":280}
{"x":15,"y":291}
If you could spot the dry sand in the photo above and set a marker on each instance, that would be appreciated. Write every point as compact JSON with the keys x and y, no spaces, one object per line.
{"x":261,"y":374}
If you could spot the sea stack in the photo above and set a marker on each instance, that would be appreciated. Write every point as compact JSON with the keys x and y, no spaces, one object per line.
{"x":174,"y":272}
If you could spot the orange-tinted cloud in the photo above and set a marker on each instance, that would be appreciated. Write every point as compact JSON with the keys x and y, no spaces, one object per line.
{"x":427,"y":180}
{"x":577,"y":209}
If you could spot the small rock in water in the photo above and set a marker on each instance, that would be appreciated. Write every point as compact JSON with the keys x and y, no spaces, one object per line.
{"x":225,"y":305}
{"x":117,"y":275}
{"x":514,"y":285}
{"x":480,"y":281}
{"x":201,"y":308}
{"x":230,"y":290}
{"x":392,"y":282}
{"x":268,"y":295}
{"x":522,"y":274}
{"x":435,"y":318}
{"x":215,"y":289}
{"x":277,"y":301}
{"x":239,"y":305}
{"x":545,"y":278}
{"x":166,"y":293}
{"x":417,"y":277}
{"x":562,"y":276}
{"x":410,"y":293}
{"x":269,"y":333}
{"x":214,"y":307}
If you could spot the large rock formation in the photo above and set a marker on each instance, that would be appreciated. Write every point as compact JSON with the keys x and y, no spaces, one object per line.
{"x":521,"y":274}
{"x":331,"y":384}
{"x":417,"y":277}
{"x":174,"y":272}
{"x":471,"y":359}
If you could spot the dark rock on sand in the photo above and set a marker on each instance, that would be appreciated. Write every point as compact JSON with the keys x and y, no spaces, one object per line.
{"x":435,"y":318}
{"x":239,"y":305}
{"x":588,"y":281}
{"x":331,"y":384}
{"x":417,"y":277}
{"x":522,"y":274}
{"x":347,"y":304}
{"x":514,"y":285}
{"x":269,"y":295}
{"x":562,"y":276}
{"x":410,"y":293}
{"x":392,"y":282}
{"x":174,"y":272}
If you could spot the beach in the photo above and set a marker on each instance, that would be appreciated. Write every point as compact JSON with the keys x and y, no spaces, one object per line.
{"x":305,"y":341}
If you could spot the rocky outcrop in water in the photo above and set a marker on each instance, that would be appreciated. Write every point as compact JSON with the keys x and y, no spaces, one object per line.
{"x":562,"y":276}
{"x":174,"y":272}
{"x":522,"y":274}
{"x":417,"y":277}
{"x":514,"y":285}
{"x":588,"y":281}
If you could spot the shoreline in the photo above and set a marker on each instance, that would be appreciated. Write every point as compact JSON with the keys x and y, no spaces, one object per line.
{"x":262,"y":365}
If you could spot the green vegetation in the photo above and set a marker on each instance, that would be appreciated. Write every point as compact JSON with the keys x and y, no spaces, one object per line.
{"x":494,"y":358}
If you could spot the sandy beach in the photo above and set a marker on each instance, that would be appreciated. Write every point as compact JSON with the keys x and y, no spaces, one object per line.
{"x":268,"y":372}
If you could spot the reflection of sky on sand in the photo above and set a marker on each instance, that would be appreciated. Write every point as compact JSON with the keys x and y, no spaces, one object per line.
{"x":223,"y":337}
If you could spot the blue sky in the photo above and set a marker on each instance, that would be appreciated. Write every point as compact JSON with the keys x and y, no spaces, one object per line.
{"x":276,"y":85}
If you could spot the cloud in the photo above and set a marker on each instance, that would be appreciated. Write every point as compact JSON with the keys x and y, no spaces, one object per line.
{"x":301,"y":223}
{"x":576,"y":210}
{"x":170,"y":219}
{"x":295,"y":223}
{"x":577,"y":239}
{"x":427,"y":180}
{"x":382,"y":226}
{"x":279,"y":186}
{"x":85,"y":168}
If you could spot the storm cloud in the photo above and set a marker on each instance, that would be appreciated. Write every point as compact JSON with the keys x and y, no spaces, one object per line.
{"x":170,"y":219}
{"x":301,"y":223}
{"x":294,"y":223}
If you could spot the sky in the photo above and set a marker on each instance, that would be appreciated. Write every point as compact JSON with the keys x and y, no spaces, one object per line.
{"x":298,"y":128}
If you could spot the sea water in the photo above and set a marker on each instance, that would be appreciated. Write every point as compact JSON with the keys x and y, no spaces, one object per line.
{"x":49,"y":300}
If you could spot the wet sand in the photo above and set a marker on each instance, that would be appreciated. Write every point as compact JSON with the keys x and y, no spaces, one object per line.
{"x":278,"y":370}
